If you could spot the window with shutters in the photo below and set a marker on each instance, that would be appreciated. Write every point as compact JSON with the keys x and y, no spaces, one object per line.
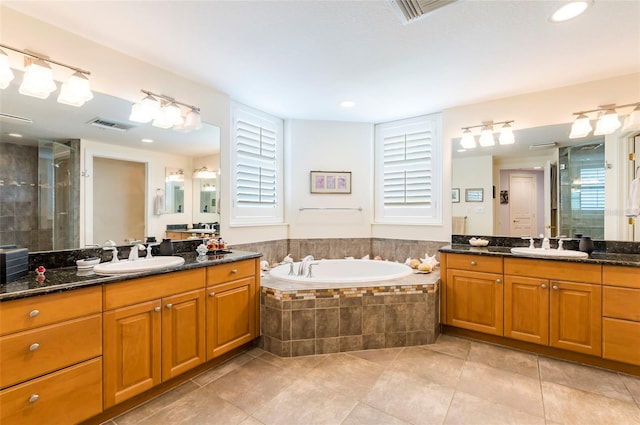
{"x":256,"y":161}
{"x":408,"y":171}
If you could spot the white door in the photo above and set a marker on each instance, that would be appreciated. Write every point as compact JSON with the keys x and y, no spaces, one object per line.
{"x":636,"y":174}
{"x":523,"y":204}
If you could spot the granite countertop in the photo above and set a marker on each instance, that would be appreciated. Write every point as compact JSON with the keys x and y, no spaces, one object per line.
{"x":192,"y":230}
{"x":68,"y":278}
{"x":596,"y":257}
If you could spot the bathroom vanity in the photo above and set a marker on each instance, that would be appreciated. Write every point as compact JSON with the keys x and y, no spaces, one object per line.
{"x":73,"y":347}
{"x":578,"y":309}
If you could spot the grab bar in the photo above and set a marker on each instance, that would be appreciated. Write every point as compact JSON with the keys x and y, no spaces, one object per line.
{"x":331,"y":208}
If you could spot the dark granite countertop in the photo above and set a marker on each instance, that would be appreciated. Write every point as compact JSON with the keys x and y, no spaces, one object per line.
{"x":69,"y":278}
{"x":596,"y":257}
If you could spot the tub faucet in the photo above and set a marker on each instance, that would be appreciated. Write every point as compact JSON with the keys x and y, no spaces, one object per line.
{"x":303,"y":264}
{"x":133,"y":254}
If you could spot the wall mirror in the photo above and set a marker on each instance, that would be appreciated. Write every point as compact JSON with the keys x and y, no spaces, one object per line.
{"x":174,"y":190}
{"x":546,"y":183}
{"x":104,"y":120}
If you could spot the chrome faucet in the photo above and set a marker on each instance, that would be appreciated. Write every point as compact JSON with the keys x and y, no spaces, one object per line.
{"x":111,"y":246}
{"x":303,"y":264}
{"x":133,"y":254}
{"x":545,"y":242}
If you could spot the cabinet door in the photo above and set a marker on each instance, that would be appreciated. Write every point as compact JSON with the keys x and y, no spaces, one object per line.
{"x":231,"y":313}
{"x":474,"y":301}
{"x":131,"y":351}
{"x":183,"y":336}
{"x":575,"y":317}
{"x":526,"y":309}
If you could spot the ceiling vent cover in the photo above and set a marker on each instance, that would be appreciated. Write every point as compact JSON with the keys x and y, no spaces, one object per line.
{"x":110,"y":125}
{"x":411,"y":10}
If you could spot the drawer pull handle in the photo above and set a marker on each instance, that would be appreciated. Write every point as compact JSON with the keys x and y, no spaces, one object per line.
{"x":555,"y":287}
{"x":473,"y":263}
{"x":169,"y":305}
{"x":212,"y":294}
{"x":157,"y":309}
{"x":34,"y":313}
{"x":34,"y":398}
{"x":498,"y":280}
{"x":543,"y":286}
{"x":34,"y":346}
{"x":234,"y":271}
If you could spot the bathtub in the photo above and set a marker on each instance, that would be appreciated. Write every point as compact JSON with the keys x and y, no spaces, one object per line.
{"x":342,"y":273}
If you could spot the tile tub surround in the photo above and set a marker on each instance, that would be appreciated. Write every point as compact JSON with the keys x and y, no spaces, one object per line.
{"x":300,"y":322}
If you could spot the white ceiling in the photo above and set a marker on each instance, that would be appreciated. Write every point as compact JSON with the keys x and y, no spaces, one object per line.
{"x":299,"y":59}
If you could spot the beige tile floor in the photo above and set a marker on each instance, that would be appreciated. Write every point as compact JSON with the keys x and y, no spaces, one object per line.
{"x":455,"y":381}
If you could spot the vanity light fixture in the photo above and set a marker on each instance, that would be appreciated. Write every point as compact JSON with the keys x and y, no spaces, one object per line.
{"x":204,"y":173}
{"x":38,"y":78}
{"x":486,"y":135}
{"x":570,"y":10}
{"x":608,"y":121}
{"x":176,"y":176}
{"x":165,"y":112}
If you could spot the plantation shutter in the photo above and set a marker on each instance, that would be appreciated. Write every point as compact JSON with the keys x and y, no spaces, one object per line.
{"x":592,"y":189}
{"x":256,"y":180}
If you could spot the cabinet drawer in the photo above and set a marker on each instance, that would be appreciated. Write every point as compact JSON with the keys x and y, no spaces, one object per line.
{"x":28,"y":354}
{"x":621,"y":276}
{"x":65,"y":397}
{"x":29,"y":313}
{"x":150,"y":288}
{"x":554,"y":269}
{"x":621,"y":340}
{"x":230,"y":271}
{"x":476,"y":263}
{"x":621,"y":303}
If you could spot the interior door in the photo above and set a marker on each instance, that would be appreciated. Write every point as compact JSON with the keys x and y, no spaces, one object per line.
{"x":523,"y":204}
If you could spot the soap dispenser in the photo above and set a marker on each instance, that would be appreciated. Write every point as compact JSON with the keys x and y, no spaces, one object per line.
{"x":166,"y":247}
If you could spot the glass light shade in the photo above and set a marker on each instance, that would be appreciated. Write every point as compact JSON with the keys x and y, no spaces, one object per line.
{"x":467,"y":141}
{"x":6,"y":74}
{"x":138,"y":115}
{"x":173,"y":114}
{"x":632,"y":122}
{"x":570,"y":10}
{"x":581,"y":127}
{"x":38,"y":80}
{"x":607,"y":124}
{"x":486,"y":137}
{"x":506,"y":135}
{"x":149,"y":107}
{"x":193,"y":121}
{"x":161,"y":121}
{"x":75,"y":91}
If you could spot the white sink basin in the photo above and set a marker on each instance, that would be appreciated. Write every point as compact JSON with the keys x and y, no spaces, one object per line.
{"x":141,"y":265}
{"x":553,"y":253}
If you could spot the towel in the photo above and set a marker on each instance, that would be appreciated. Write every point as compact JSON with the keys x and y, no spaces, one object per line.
{"x":159,"y":204}
{"x":459,"y":225}
{"x":633,"y":203}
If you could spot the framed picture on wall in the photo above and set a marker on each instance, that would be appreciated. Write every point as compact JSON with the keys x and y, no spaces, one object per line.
{"x":474,"y":195}
{"x":331,"y":182}
{"x":455,"y":195}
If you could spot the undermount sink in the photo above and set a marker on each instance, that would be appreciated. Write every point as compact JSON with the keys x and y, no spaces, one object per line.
{"x":141,"y":265}
{"x":553,"y":253}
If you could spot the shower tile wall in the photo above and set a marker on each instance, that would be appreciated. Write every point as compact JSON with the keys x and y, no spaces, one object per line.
{"x":19,"y":198}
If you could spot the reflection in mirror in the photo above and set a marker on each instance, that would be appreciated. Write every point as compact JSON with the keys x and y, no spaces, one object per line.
{"x":546,"y":184}
{"x":174,"y":190}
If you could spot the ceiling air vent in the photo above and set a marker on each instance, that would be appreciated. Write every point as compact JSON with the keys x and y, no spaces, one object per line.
{"x":411,"y":10}
{"x":14,"y":118}
{"x":110,"y":125}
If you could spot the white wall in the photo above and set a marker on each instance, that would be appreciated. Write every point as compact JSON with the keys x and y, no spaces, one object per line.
{"x":328,"y":146}
{"x":474,"y":172}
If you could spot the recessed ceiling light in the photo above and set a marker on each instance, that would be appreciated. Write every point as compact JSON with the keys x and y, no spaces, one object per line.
{"x":16,"y":135}
{"x":462,"y":150}
{"x":147,"y":140}
{"x":347,"y":103}
{"x":570,"y":10}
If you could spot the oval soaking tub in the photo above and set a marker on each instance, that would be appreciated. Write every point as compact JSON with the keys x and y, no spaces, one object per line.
{"x":343,"y":271}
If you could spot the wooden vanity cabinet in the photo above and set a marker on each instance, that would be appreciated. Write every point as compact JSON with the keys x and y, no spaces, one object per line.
{"x":153,"y":330}
{"x":232,"y":306}
{"x":474,"y":293}
{"x":545,"y":303}
{"x":621,"y":314}
{"x":51,"y":357}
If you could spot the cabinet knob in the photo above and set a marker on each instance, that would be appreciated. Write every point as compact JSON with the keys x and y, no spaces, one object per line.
{"x":34,"y":398}
{"x":543,"y":286}
{"x":498,"y":280}
{"x":555,"y":287}
{"x":473,"y":263}
{"x":34,"y":346}
{"x":157,"y":309}
{"x":234,"y":271}
{"x":169,"y":305}
{"x":34,"y":313}
{"x":212,"y":294}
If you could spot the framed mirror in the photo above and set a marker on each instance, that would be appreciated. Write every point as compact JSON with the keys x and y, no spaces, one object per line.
{"x":174,"y":190}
